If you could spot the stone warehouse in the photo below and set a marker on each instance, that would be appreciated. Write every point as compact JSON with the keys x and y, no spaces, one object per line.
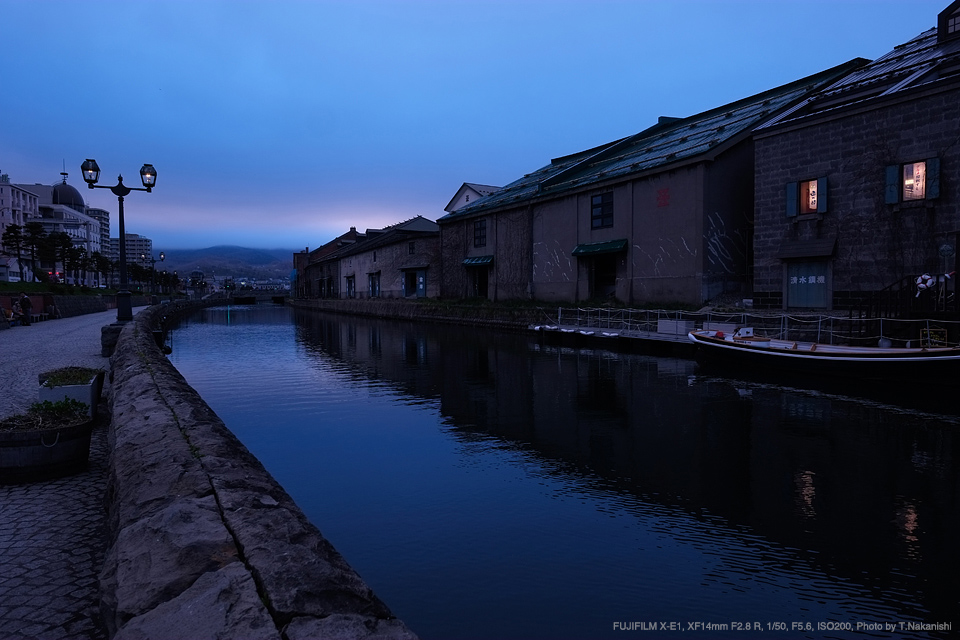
{"x":829,"y":192}
{"x":856,"y":188}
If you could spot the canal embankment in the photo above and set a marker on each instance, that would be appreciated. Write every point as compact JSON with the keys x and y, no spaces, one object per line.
{"x":203,"y":542}
{"x":497,"y":316}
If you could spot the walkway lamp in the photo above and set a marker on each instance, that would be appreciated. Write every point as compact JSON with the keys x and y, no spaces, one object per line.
{"x":153,"y":270}
{"x":148,"y":176}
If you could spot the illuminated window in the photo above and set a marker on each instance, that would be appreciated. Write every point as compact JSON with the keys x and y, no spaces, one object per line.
{"x":807,"y":197}
{"x":914,"y":181}
{"x":601,"y":211}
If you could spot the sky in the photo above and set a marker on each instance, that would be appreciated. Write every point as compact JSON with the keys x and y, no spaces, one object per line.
{"x":281,"y":124}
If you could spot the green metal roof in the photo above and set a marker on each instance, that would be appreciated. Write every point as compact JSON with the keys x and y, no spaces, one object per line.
{"x":597,"y":248}
{"x":670,"y":142}
{"x":478,"y":261}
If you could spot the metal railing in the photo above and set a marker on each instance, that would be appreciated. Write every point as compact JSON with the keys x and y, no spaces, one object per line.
{"x":823,"y":328}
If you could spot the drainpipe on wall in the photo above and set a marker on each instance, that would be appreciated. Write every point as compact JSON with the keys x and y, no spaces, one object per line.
{"x":530,"y":248}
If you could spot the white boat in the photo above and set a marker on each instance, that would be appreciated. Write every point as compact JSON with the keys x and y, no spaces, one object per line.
{"x":743,"y":348}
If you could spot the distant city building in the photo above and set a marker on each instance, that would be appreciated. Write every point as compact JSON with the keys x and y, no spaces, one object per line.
{"x":103,"y":217}
{"x":17,"y":205}
{"x":135,"y":246}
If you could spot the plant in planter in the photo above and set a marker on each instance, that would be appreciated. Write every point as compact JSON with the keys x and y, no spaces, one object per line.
{"x":83,"y":384}
{"x":50,"y":440}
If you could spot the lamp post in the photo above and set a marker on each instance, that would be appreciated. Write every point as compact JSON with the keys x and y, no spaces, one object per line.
{"x":153,"y":270}
{"x":148,"y":175}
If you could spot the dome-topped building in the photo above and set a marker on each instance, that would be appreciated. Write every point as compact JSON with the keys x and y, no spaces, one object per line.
{"x":68,"y":196}
{"x":61,"y":209}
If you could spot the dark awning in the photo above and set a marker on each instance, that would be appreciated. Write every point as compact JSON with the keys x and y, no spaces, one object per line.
{"x":478,"y":261}
{"x":597,"y":248}
{"x":819,"y":248}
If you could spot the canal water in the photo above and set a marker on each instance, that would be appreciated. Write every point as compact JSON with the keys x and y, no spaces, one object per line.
{"x":487,"y":485}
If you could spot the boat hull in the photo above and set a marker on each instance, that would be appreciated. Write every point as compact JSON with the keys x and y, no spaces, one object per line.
{"x":862,"y":363}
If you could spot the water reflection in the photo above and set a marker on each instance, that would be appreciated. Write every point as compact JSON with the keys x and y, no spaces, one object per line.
{"x":622,"y":486}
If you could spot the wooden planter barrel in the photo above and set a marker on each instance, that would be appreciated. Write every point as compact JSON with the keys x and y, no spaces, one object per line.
{"x":28,"y":456}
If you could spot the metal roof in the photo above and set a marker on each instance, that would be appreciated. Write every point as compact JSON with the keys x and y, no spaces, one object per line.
{"x":922,"y":61}
{"x":671,"y":142}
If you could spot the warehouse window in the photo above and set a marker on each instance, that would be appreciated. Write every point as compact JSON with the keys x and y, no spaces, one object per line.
{"x":806,"y":197}
{"x":601,"y":211}
{"x":913,"y":181}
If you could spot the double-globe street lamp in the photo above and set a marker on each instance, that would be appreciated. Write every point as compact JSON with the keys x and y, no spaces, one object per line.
{"x":148,"y":175}
{"x":153,"y":270}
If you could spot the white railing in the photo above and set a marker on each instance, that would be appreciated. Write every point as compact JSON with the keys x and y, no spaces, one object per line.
{"x":821,"y":328}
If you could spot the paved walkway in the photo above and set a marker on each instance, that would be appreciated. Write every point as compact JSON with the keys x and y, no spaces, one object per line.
{"x":52,"y":534}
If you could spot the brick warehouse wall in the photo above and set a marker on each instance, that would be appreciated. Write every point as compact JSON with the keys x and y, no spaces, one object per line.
{"x":877,"y":244}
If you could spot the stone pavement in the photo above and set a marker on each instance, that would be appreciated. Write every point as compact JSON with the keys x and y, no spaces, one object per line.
{"x":52,"y":534}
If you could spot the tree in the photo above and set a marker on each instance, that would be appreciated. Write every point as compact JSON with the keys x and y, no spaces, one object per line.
{"x":61,"y":246}
{"x":12,"y":242}
{"x":101,"y":265}
{"x":74,"y":262}
{"x":137,"y":273}
{"x":34,"y":241}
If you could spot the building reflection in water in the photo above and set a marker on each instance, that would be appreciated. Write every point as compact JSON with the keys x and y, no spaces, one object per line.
{"x":846,"y":480}
{"x":859,"y":490}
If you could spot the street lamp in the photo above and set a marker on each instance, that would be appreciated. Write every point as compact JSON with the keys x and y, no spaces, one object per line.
{"x":148,"y":175}
{"x":153,"y":269}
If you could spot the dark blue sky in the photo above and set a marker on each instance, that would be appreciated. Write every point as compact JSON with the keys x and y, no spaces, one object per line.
{"x":282,"y":123}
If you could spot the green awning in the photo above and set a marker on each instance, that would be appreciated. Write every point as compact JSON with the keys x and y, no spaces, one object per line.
{"x":479,"y":261}
{"x":597,"y":248}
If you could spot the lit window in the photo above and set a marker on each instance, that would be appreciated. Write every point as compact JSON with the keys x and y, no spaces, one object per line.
{"x":914,"y":181}
{"x":601,"y":211}
{"x":808,"y":196}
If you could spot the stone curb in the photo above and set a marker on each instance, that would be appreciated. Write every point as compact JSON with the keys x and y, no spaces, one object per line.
{"x":203,"y":541}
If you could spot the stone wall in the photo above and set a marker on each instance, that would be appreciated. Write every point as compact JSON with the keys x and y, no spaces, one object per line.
{"x":518,"y":318}
{"x":70,"y":306}
{"x":877,"y":244}
{"x":203,"y":542}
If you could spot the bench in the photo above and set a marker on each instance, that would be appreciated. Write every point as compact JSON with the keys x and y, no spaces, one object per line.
{"x":37,"y":314}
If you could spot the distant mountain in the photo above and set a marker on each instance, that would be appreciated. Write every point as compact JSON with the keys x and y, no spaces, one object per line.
{"x":229,"y":261}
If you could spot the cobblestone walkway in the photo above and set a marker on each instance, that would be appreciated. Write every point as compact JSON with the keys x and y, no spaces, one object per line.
{"x":52,"y":533}
{"x":52,"y":543}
